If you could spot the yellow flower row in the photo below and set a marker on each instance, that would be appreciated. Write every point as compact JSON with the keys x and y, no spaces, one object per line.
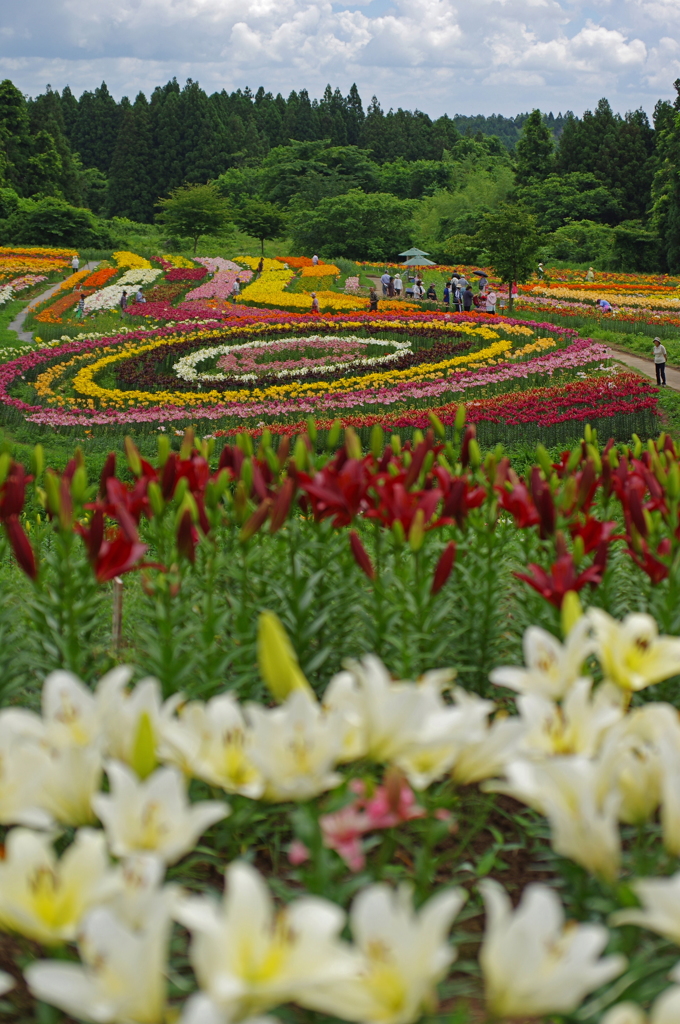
{"x":180,"y":261}
{"x":267,"y":264}
{"x":37,"y":251}
{"x":538,"y":346}
{"x":124,"y":258}
{"x":321,"y":270}
{"x":616,"y":298}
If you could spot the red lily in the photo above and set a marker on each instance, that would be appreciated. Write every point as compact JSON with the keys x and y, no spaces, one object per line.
{"x":21,"y":546}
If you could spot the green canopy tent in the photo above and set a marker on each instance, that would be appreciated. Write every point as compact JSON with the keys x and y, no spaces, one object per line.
{"x":419,"y":261}
{"x":414,"y":252}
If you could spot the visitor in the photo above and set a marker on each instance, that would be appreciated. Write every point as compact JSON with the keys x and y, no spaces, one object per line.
{"x":260,"y":265}
{"x":315,"y":260}
{"x":467,"y":299}
{"x":483,"y":285}
{"x":390,"y":288}
{"x":139,"y":297}
{"x":491,"y":300}
{"x":605,"y":307}
{"x":373,"y":300}
{"x":660,"y":362}
{"x":446,"y":296}
{"x":236,"y":290}
{"x":123,"y":302}
{"x":385,"y":280}
{"x":75,"y":264}
{"x":315,"y":303}
{"x":432,"y":293}
{"x":81,"y":306}
{"x":457,"y":293}
{"x":418,"y":291}
{"x":398,"y":286}
{"x":541,"y":272}
{"x":590,"y":276}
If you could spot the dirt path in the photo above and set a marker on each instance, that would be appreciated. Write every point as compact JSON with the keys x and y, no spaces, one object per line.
{"x":646,"y":366}
{"x":18,"y":322}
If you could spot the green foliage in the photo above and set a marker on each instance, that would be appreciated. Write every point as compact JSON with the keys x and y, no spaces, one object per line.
{"x":310,"y":171}
{"x":194,"y":210}
{"x":355,"y":225}
{"x":131,"y":184}
{"x":53,"y":222}
{"x":558,"y":199}
{"x":511,"y":238}
{"x":534,"y":150}
{"x":261,"y":220}
{"x":582,"y":242}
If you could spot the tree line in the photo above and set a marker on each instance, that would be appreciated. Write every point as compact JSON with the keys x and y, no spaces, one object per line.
{"x":601,"y":185}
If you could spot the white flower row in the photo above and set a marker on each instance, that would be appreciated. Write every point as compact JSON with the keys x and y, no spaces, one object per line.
{"x":109,"y":297}
{"x":185,"y":368}
{"x":6,"y":293}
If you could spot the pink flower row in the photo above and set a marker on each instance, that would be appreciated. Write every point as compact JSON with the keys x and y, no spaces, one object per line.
{"x":220,"y":286}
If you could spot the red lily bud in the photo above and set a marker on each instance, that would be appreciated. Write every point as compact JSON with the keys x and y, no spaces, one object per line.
{"x":470,"y":432}
{"x":187,"y":537}
{"x":444,"y":567}
{"x":282,"y":504}
{"x":361,"y":555}
{"x":256,"y":521}
{"x":21,"y":546}
{"x":109,"y":470}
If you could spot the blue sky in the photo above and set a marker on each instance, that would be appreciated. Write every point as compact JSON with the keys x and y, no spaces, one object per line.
{"x":454,"y":56}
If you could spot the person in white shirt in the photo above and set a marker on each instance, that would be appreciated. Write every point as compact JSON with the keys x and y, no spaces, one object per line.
{"x":660,"y":362}
{"x":75,"y":264}
{"x":385,"y":282}
{"x":315,"y":260}
{"x":398,"y":286}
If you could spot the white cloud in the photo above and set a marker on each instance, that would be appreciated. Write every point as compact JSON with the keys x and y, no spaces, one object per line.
{"x":440,"y":55}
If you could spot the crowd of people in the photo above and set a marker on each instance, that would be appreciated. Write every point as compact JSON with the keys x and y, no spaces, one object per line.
{"x":458,"y":293}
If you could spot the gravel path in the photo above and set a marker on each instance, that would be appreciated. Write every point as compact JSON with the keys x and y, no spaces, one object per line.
{"x":646,"y":366}
{"x":18,"y":323}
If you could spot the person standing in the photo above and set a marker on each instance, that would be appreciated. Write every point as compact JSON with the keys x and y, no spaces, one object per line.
{"x":541,"y":272}
{"x":75,"y":264}
{"x":373,"y":300}
{"x":491,"y":299}
{"x":660,"y":362}
{"x":468,"y":298}
{"x":398,"y":286}
{"x":390,"y":288}
{"x":315,"y":303}
{"x":260,"y":266}
{"x":446,"y":295}
{"x":385,"y":281}
{"x":81,"y":306}
{"x":432,"y":293}
{"x":123,"y":302}
{"x":590,"y":276}
{"x":315,"y":260}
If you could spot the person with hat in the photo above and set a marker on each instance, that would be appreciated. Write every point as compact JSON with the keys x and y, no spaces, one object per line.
{"x":660,"y":362}
{"x":590,"y":276}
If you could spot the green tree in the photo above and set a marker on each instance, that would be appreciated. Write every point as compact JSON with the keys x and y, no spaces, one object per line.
{"x":534,"y":150}
{"x":131,"y":184}
{"x":54,"y":222}
{"x":260,"y":219}
{"x":666,"y":184}
{"x":558,"y":199}
{"x":194,"y":210}
{"x":374,"y":226}
{"x":510,"y":236}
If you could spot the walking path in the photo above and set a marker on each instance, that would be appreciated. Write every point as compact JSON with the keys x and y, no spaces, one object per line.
{"x":645,"y":366}
{"x":18,"y":322}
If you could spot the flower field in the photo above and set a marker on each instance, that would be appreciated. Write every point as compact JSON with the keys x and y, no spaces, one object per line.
{"x":240,"y":801}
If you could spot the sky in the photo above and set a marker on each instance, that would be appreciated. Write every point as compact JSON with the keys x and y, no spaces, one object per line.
{"x":441,"y":56}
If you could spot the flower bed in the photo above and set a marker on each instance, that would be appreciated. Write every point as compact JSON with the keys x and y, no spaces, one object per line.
{"x":185,"y":274}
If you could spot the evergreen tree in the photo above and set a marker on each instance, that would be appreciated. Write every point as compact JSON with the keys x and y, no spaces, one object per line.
{"x":166,"y":120}
{"x":46,"y":116}
{"x":534,"y":150}
{"x":96,"y":132}
{"x":131,"y":191}
{"x":666,"y":185}
{"x":204,"y":139}
{"x":69,"y":107}
{"x":354,"y":116}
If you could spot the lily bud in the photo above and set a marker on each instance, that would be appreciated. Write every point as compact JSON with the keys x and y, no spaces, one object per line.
{"x":5,"y":463}
{"x":361,"y":555}
{"x":37,"y":461}
{"x":311,"y":429}
{"x":256,"y":521}
{"x":279,"y":666}
{"x":437,"y":426}
{"x":155,"y":496}
{"x":187,"y":445}
{"x":333,"y":438}
{"x":133,"y":457}
{"x":163,"y":449}
{"x":300,"y":454}
{"x":395,"y":442}
{"x":571,"y":612}
{"x":416,"y":535}
{"x":143,"y":760}
{"x":377,"y":441}
{"x":460,"y":417}
{"x":444,"y":567}
{"x":352,"y":443}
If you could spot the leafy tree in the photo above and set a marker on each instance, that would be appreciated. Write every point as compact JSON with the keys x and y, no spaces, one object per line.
{"x":54,"y":222}
{"x":511,"y":238}
{"x":260,"y":219}
{"x":374,"y":226}
{"x":666,"y":184}
{"x":556,"y":200}
{"x":194,"y":210}
{"x":310,"y":171}
{"x":131,"y":184}
{"x":534,"y":150}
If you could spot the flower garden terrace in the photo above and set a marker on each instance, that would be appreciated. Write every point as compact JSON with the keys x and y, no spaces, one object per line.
{"x":518,"y":379}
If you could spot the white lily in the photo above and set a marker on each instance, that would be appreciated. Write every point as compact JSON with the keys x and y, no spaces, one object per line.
{"x":7,"y":982}
{"x":669,"y":752}
{"x":141,"y":884}
{"x":200,"y":1009}
{"x":665,"y":1009}
{"x":69,"y":711}
{"x":533,"y":964}
{"x":122,"y":713}
{"x":660,"y":910}
{"x":24,"y":766}
{"x":153,"y":816}
{"x":295,"y":747}
{"x":247,"y":957}
{"x":212,"y":742}
{"x":122,"y":977}
{"x":565,"y":790}
{"x":632,"y":653}
{"x":73,"y":779}
{"x":383,"y":719}
{"x":552,"y":667}
{"x":576,"y":727}
{"x":485,"y":747}
{"x":45,"y":898}
{"x":405,"y":953}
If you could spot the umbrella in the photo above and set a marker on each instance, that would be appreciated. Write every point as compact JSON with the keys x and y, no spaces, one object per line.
{"x":419,"y":261}
{"x":480,"y":273}
{"x":414,"y":252}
